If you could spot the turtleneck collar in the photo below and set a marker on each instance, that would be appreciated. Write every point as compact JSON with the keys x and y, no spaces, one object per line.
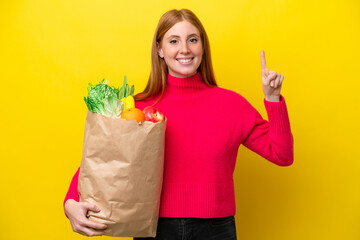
{"x":184,"y":86}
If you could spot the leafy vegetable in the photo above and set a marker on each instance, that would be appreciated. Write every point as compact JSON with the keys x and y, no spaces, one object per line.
{"x":113,"y":106}
{"x":106,"y":100}
{"x":125,"y":91}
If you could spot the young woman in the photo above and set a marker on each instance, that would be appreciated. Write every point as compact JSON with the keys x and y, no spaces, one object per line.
{"x":206,"y":125}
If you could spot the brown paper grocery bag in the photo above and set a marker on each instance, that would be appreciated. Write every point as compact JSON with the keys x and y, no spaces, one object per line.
{"x":122,"y":172}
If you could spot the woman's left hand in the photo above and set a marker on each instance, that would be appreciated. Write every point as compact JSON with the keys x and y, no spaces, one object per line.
{"x":271,"y":81}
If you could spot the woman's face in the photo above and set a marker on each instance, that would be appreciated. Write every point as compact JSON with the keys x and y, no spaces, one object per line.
{"x":181,"y":49}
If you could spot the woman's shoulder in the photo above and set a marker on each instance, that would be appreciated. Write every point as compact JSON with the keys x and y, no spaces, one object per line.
{"x":232,"y":96}
{"x":142,"y":103}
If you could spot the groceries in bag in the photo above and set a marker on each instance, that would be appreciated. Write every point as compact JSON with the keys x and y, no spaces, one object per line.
{"x":122,"y":164}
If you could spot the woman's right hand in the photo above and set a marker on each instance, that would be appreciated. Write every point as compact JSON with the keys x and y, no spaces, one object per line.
{"x":76,"y":212}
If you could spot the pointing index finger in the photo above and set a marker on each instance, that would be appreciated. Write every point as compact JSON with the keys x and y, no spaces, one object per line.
{"x":263,"y":61}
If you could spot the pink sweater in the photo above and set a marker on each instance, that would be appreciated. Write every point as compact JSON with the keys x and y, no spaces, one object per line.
{"x":205,"y":127}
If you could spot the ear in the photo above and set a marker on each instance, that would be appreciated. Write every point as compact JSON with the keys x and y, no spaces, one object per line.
{"x":159,"y":50}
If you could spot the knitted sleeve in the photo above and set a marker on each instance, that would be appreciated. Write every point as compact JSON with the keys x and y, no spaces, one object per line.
{"x":73,"y":190}
{"x":272,"y":139}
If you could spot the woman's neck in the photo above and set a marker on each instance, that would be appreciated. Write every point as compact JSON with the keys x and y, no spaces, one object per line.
{"x":188,"y":86}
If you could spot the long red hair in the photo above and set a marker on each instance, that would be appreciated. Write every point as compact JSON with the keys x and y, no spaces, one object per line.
{"x":158,"y":74}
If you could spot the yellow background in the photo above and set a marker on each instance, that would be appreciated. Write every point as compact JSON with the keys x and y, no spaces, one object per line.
{"x":50,"y":50}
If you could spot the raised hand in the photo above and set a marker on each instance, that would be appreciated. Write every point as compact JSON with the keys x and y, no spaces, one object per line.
{"x":271,"y":81}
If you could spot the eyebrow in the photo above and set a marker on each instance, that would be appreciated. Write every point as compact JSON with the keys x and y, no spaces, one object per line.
{"x":176,"y":36}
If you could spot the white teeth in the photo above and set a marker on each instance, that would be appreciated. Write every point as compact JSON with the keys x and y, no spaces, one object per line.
{"x":185,"y":60}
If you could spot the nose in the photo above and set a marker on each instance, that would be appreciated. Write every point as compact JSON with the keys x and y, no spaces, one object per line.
{"x":184,"y":48}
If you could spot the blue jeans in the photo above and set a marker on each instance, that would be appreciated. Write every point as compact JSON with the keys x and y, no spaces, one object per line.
{"x":195,"y":229}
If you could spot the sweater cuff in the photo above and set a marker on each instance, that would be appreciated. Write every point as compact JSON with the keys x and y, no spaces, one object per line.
{"x":278,"y":116}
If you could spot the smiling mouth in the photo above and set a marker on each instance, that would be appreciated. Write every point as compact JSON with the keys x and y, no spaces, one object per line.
{"x":184,"y":60}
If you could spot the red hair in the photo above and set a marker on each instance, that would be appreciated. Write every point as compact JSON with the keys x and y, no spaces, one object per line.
{"x":158,"y":74}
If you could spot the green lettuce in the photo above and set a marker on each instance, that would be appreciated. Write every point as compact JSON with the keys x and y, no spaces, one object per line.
{"x":106,"y":100}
